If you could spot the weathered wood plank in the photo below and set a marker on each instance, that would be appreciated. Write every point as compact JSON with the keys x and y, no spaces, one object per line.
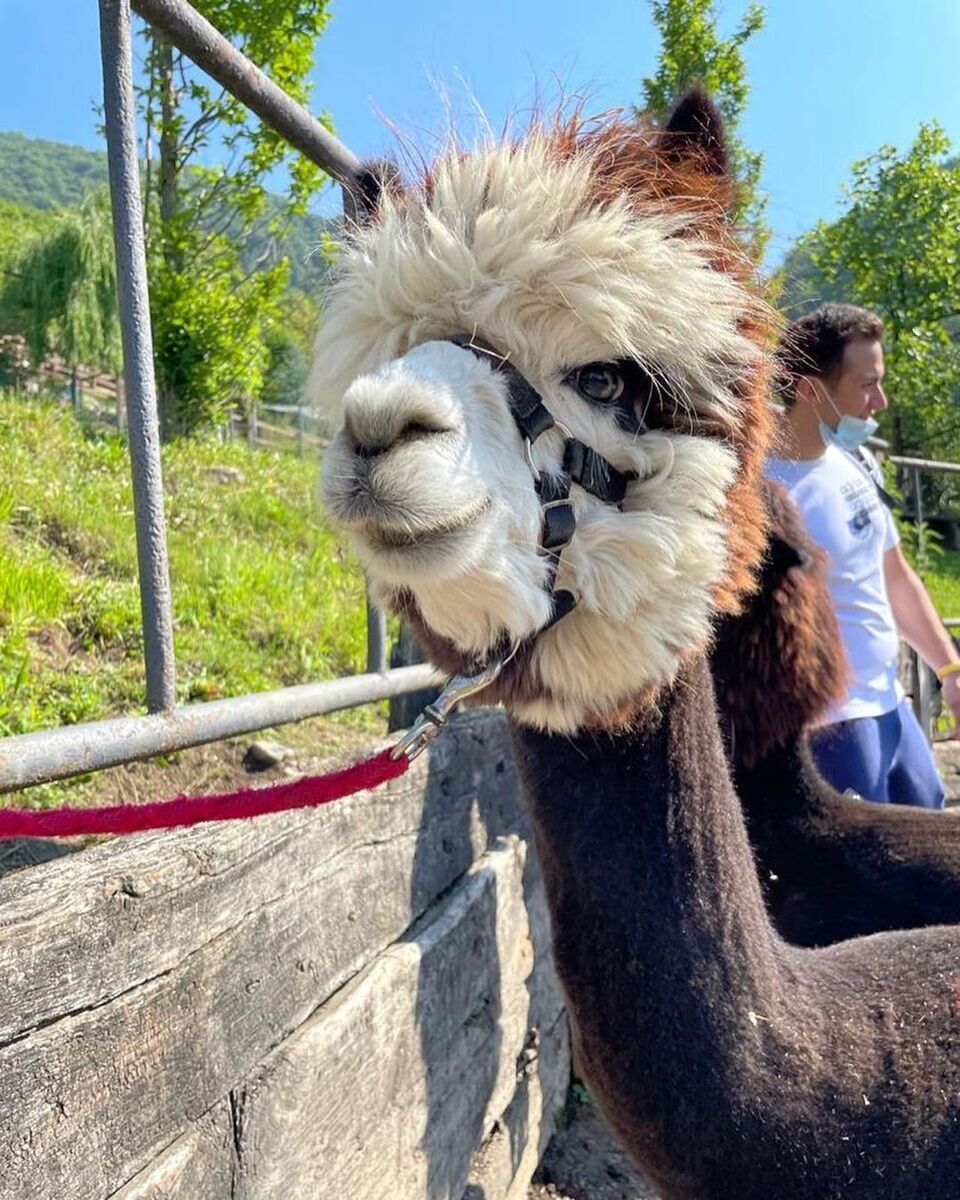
{"x":198,"y":1166}
{"x":182,"y":961}
{"x":389,"y":1089}
{"x":516,"y":1139}
{"x":504,"y":1165}
{"x":78,"y":931}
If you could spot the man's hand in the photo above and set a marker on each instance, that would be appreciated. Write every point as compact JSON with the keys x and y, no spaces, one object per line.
{"x":919,"y":624}
{"x":951,"y":695}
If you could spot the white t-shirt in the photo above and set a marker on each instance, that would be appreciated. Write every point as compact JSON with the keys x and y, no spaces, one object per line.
{"x":846,"y":517}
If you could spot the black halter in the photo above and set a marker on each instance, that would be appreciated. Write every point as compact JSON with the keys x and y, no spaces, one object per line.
{"x":581,"y":465}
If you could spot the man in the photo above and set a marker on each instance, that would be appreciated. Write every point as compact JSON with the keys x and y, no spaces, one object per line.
{"x":832,"y":362}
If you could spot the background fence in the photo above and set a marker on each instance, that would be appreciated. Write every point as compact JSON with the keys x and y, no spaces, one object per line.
{"x":99,"y":396}
{"x":919,"y":680}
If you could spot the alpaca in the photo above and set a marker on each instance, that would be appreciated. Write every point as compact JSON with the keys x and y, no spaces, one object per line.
{"x":547,"y":365}
{"x":831,"y":867}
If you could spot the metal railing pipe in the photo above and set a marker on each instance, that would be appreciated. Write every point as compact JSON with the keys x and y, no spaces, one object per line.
{"x":209,"y":49}
{"x":924,"y":464}
{"x":141,"y":397}
{"x":50,"y":754}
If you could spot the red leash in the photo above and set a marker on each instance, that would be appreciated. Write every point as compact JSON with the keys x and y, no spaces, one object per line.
{"x":191,"y":810}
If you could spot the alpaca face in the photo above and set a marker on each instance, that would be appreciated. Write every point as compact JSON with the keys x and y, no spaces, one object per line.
{"x":613,"y":309}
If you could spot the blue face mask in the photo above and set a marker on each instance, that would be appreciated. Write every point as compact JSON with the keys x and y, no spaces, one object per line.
{"x":850,"y":433}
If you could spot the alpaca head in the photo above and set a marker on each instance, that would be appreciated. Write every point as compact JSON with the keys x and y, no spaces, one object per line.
{"x":596,"y":261}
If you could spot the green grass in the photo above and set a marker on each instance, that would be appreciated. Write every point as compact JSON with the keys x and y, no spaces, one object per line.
{"x":943,"y":583}
{"x":263,"y":595}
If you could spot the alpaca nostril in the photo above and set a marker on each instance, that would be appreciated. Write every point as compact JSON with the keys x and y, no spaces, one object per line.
{"x":412,"y":431}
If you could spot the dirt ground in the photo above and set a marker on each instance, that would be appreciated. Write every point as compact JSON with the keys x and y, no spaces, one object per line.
{"x":584,"y":1162}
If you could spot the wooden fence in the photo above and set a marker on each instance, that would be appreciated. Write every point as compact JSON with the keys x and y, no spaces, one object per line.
{"x":351,"y":1004}
{"x":99,"y":396}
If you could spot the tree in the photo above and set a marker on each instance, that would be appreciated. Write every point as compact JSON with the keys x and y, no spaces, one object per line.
{"x":61,"y":292}
{"x":896,"y":249}
{"x":211,"y":314}
{"x":289,"y":344}
{"x":692,"y":52}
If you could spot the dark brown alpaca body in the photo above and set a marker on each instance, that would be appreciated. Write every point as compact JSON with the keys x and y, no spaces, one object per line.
{"x":831,"y":867}
{"x":733,"y":1066}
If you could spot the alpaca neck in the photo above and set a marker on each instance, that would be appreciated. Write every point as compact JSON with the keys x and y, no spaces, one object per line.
{"x":778,"y":786}
{"x":661,"y":937}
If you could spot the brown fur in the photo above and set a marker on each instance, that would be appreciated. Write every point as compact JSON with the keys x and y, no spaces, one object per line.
{"x":780,"y":664}
{"x":635,"y":159}
{"x":731,"y":1064}
{"x":644,"y":164}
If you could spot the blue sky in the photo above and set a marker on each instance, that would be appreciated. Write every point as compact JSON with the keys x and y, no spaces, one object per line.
{"x":831,"y":79}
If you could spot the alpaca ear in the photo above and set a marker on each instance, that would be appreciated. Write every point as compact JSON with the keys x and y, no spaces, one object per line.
{"x":695,"y":129}
{"x":365,"y":190}
{"x":782,"y":555}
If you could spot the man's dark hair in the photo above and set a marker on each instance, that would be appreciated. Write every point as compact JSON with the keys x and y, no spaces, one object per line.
{"x":814,"y":344}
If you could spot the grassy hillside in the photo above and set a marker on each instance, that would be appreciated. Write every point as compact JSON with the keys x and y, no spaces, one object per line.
{"x":263,"y":596}
{"x":943,"y":583}
{"x":47,"y":175}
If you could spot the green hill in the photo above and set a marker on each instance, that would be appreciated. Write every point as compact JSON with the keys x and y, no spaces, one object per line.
{"x":38,"y":174}
{"x":42,"y":174}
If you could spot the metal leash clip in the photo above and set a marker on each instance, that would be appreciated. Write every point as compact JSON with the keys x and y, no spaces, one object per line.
{"x":435,"y":716}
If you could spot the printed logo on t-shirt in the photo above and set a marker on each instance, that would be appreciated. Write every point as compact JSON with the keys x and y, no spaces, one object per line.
{"x":861,"y":500}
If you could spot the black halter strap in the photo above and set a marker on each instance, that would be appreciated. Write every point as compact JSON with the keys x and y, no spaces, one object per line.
{"x":580,"y":465}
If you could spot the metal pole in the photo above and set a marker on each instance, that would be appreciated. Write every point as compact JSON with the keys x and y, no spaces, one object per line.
{"x":209,"y":49}
{"x":376,"y":638}
{"x":121,"y":404}
{"x":141,"y":397}
{"x":31,"y":758}
{"x":926,"y":688}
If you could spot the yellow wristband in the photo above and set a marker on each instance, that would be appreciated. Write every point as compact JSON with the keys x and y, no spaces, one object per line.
{"x":947,"y":669}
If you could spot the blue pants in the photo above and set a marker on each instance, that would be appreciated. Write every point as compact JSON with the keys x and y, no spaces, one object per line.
{"x":886,"y":759}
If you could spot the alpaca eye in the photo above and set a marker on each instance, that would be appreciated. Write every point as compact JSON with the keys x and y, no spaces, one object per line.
{"x":602,"y":382}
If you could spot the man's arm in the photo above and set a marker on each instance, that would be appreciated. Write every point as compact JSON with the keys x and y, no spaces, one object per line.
{"x":919,"y":624}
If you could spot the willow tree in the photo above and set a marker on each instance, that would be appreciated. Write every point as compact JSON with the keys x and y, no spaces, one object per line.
{"x":61,"y":293}
{"x":212,"y":310}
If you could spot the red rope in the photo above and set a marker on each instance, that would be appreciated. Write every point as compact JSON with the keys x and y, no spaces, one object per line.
{"x":191,"y":810}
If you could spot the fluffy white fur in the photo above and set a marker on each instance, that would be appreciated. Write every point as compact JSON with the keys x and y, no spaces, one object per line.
{"x":441,"y":501}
